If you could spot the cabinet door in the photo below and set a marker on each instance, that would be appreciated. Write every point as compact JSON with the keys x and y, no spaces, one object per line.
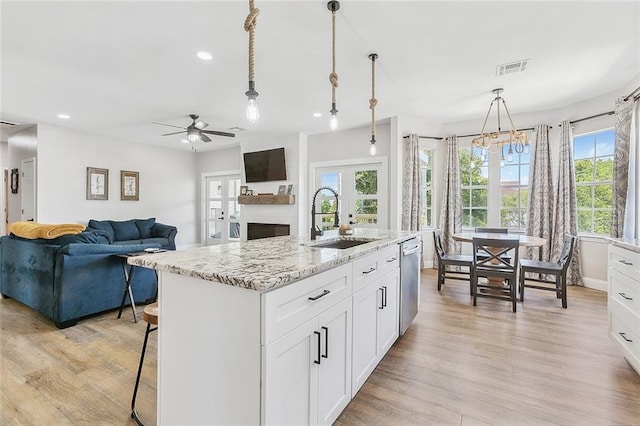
{"x":388,"y":317}
{"x":334,"y":372}
{"x":366,"y":304}
{"x":290,"y":391}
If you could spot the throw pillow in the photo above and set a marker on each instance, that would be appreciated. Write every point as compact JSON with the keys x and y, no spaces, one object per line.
{"x":144,"y":226}
{"x":125,"y":230}
{"x":104,"y":226}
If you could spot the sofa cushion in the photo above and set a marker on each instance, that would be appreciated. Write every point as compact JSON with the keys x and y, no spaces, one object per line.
{"x":86,"y":237}
{"x":155,"y":240}
{"x":127,"y":242}
{"x":104,"y":226}
{"x":125,"y":230}
{"x":144,"y":226}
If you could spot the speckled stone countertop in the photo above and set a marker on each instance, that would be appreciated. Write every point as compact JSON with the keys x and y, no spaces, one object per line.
{"x":626,"y":243}
{"x":267,"y":263}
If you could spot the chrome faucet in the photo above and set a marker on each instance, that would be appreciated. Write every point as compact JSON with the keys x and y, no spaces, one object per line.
{"x":315,"y":230}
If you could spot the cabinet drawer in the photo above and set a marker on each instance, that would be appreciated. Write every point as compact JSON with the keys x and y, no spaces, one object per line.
{"x":389,"y":259}
{"x":625,"y":261}
{"x":625,"y":329}
{"x":625,"y":290}
{"x":288,"y":307}
{"x":365,"y":270}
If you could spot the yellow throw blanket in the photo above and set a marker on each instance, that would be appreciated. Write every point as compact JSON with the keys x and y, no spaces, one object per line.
{"x":34,"y":230}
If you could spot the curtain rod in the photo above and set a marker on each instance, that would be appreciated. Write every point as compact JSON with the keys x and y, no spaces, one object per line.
{"x":631,"y":94}
{"x":590,"y":117}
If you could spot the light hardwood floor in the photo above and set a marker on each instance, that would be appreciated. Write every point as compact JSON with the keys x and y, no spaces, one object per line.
{"x":456,"y":365}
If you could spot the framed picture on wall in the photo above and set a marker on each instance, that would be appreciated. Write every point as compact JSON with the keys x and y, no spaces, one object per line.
{"x":129,"y":185}
{"x":97,"y":183}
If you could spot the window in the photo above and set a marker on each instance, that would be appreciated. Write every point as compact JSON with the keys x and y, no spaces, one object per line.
{"x":514,"y":190}
{"x":474,"y":179}
{"x":593,"y":162}
{"x":426,"y":187}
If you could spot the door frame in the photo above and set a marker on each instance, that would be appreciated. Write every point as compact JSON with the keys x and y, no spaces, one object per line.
{"x":383,"y":181}
{"x":203,"y":197}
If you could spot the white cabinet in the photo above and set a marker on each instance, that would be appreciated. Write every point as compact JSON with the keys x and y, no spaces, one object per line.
{"x":307,"y":375}
{"x":375,"y":324}
{"x":624,"y":302}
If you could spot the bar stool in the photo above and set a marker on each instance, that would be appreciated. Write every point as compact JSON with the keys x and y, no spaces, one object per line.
{"x":150,"y":315}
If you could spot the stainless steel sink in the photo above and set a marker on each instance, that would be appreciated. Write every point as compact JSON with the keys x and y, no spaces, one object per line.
{"x":341,"y":244}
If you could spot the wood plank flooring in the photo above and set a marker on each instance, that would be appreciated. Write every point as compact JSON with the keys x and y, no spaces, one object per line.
{"x":456,"y":365}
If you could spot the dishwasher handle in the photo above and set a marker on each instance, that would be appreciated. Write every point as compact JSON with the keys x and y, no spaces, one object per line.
{"x":409,"y":251}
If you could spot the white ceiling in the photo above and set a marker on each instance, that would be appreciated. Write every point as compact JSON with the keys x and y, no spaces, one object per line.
{"x":116,"y":67}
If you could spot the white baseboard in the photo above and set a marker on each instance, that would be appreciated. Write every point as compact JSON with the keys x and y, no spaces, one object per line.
{"x":595,"y":284}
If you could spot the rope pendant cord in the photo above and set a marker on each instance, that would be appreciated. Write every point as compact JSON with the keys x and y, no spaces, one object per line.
{"x":373,"y":101}
{"x":333,"y":76}
{"x":250,"y":26}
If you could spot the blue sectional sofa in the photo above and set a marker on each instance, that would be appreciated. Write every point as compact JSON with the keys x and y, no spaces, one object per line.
{"x":74,"y":276}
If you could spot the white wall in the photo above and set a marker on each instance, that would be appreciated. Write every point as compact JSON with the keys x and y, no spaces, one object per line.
{"x":167,"y":181}
{"x":21,"y":145}
{"x":4,"y":152}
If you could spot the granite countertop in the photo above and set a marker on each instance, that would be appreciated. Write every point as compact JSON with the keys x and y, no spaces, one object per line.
{"x":626,"y":243}
{"x":267,"y":263}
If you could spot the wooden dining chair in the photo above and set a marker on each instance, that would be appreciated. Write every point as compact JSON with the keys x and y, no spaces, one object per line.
{"x":542,"y":270}
{"x":499,"y":267}
{"x":445,"y":260}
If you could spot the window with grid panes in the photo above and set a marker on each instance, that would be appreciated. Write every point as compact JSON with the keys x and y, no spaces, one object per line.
{"x":474,"y":179}
{"x":593,"y":164}
{"x":514,"y":190}
{"x":426,"y":187}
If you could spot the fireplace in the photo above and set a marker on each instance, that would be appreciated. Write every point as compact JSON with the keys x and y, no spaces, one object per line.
{"x":266,"y":230}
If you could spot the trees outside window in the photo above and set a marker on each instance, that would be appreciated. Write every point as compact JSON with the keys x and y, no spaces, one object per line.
{"x":514,"y":191}
{"x":426,"y":187}
{"x":593,"y":164}
{"x":474,"y":183}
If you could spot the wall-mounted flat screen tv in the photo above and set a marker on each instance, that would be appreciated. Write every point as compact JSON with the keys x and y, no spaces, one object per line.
{"x":262,"y":166}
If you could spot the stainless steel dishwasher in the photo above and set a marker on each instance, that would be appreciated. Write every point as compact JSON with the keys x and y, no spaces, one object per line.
{"x":409,"y":282}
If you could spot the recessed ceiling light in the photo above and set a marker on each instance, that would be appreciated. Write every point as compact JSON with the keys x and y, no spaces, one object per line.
{"x":64,"y":116}
{"x":185,"y":141}
{"x":205,"y":56}
{"x":317,"y":114}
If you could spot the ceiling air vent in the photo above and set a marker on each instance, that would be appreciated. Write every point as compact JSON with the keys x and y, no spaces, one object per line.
{"x":512,"y":67}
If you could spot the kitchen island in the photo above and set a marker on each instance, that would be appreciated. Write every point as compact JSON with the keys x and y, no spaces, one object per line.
{"x":273,"y":331}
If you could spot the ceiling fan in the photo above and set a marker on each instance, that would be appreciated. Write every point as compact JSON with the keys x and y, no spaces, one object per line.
{"x":195,"y":131}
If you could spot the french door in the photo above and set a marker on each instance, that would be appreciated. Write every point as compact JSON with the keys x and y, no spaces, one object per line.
{"x":222,"y":223}
{"x":363,"y":195}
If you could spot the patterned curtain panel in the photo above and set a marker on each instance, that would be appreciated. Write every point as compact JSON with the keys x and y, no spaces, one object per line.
{"x":540,"y":206}
{"x":451,"y":209}
{"x":621,"y":165}
{"x":566,"y":217}
{"x":632,"y":217}
{"x":411,"y":185}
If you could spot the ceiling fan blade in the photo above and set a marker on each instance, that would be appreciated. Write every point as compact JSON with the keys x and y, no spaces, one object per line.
{"x":170,"y":125}
{"x":215,"y":132}
{"x":201,"y":125}
{"x":174,"y":133}
{"x":205,"y":138}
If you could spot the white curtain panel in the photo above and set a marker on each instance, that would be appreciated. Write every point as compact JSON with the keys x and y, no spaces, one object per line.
{"x":566,"y":218}
{"x":540,"y":203}
{"x":623,"y":115}
{"x":411,"y":184}
{"x":632,"y":215}
{"x":451,"y":212}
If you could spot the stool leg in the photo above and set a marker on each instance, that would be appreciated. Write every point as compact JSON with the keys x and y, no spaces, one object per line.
{"x":134,"y":414}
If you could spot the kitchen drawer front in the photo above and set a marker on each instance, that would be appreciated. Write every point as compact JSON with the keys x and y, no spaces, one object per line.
{"x":389,"y":259}
{"x":366,"y":269}
{"x":625,"y":261}
{"x":288,"y":307}
{"x":625,"y":329}
{"x":625,"y":290}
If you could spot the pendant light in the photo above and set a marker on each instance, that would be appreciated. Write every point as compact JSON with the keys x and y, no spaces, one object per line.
{"x":372,"y":103}
{"x":333,"y":6}
{"x":253,"y":114}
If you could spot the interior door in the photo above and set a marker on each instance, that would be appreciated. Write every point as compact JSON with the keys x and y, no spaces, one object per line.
{"x":4,"y":195}
{"x":222,"y":209}
{"x":28,"y":189}
{"x":362,"y":200}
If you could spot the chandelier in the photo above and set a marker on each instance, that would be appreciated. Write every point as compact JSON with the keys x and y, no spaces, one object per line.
{"x":495,"y":141}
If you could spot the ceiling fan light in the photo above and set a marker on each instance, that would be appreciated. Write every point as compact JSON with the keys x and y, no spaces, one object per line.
{"x":193,"y":135}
